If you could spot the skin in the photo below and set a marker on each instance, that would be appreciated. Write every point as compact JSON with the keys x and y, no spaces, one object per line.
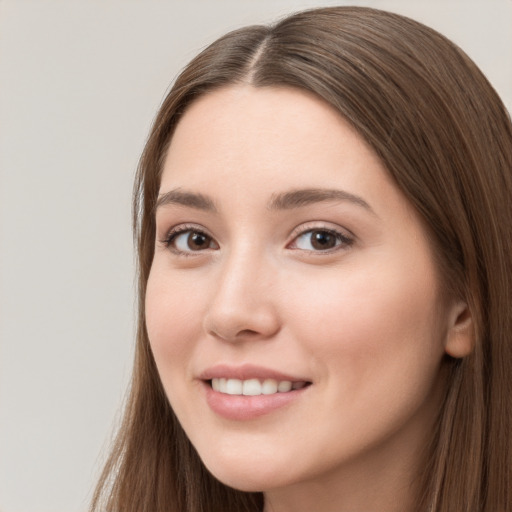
{"x":365,"y":322}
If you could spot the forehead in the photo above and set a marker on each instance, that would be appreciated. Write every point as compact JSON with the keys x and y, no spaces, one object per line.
{"x":282,"y":114}
{"x":275,"y":135}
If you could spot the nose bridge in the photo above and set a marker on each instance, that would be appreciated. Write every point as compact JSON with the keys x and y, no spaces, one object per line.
{"x":243,"y":302}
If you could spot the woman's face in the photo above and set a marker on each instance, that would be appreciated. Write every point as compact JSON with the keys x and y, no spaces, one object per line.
{"x":286,"y":257}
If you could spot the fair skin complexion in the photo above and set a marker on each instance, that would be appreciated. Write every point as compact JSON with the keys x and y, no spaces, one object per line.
{"x":336,"y":290}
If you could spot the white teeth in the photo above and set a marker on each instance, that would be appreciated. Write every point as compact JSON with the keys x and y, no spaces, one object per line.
{"x":234,"y":387}
{"x":284,"y":386}
{"x":254,"y":387}
{"x":269,"y":387}
{"x":251,"y":387}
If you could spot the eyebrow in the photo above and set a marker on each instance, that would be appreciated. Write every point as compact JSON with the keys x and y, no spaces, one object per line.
{"x":183,"y":198}
{"x":283,"y":201}
{"x":304,"y":197}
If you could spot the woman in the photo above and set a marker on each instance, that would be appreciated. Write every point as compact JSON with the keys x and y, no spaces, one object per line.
{"x":323,"y":218}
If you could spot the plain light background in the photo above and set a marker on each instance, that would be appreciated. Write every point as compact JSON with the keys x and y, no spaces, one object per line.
{"x":80,"y":82}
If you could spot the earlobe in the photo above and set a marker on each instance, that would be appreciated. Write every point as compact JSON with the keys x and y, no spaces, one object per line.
{"x":460,"y":339}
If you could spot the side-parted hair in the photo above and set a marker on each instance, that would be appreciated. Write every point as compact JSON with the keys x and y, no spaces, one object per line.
{"x":445,"y":137}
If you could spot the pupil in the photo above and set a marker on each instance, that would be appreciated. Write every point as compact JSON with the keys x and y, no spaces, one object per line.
{"x":197,"y":241}
{"x":323,"y":240}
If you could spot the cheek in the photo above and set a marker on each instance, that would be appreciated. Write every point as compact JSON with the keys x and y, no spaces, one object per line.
{"x":171,"y":319}
{"x":172,"y":323}
{"x":375,"y":341}
{"x":372,"y":325}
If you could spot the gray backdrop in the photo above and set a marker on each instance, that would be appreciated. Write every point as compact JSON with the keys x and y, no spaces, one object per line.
{"x":79,"y":84}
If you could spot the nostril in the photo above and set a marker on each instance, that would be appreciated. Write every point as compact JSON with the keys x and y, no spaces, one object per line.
{"x":247,"y":333}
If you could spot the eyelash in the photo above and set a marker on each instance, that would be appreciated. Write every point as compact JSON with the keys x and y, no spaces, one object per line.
{"x":179,"y":230}
{"x":342,"y":240}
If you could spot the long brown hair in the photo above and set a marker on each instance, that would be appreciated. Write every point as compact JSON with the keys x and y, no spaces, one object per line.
{"x":446,"y":138}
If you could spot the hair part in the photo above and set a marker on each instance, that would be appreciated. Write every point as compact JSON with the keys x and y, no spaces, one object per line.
{"x":446,"y":139}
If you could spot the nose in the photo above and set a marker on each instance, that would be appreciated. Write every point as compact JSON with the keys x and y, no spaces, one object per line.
{"x":243,"y":304}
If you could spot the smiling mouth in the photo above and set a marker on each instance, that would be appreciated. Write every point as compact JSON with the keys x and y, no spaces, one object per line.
{"x":255,"y":387}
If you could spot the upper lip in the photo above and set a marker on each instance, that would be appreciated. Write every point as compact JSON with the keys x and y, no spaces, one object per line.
{"x":247,"y":371}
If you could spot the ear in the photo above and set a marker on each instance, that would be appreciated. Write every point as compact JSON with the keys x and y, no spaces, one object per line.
{"x":460,"y":338}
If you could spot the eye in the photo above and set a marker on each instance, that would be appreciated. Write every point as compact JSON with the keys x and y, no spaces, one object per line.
{"x":320,"y":239}
{"x":187,"y":240}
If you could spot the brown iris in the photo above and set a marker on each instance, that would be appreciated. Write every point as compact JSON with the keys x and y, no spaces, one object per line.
{"x":323,"y":240}
{"x":197,"y":241}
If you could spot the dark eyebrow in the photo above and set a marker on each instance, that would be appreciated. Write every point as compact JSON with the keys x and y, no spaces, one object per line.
{"x":305,"y":197}
{"x":183,"y":198}
{"x":283,"y":201}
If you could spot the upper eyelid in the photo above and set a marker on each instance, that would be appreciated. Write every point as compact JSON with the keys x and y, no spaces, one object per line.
{"x":184,"y":227}
{"x":319,"y":225}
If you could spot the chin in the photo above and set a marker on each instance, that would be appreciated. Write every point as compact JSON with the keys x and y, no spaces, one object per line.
{"x":246,"y":475}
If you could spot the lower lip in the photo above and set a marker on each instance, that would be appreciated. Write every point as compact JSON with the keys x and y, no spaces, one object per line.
{"x":243,"y":408}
